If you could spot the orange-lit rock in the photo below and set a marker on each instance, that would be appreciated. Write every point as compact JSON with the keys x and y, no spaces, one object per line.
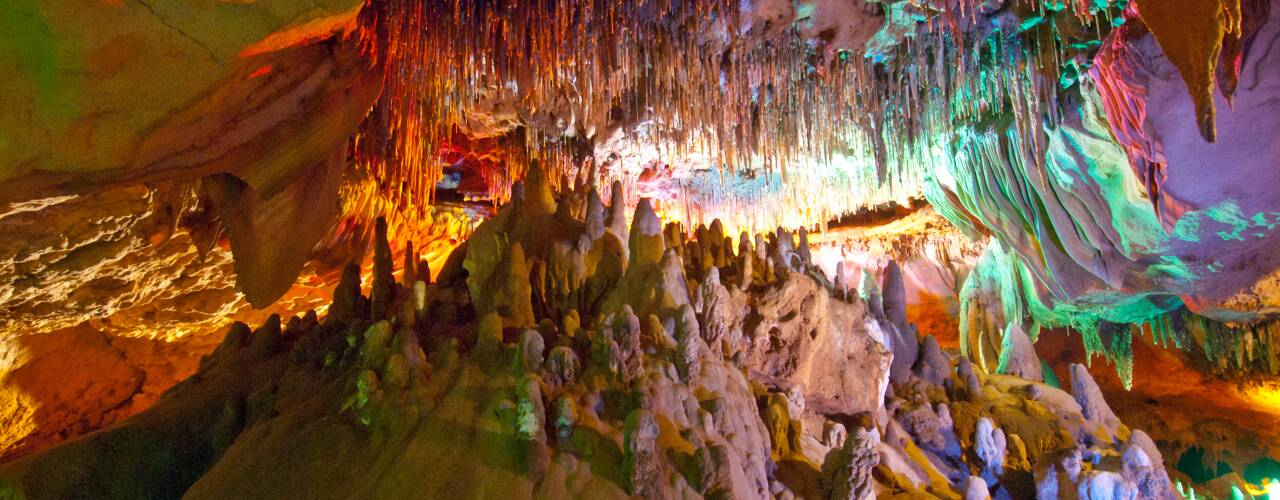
{"x":48,"y":395}
{"x":142,"y":274}
{"x":1175,"y":401}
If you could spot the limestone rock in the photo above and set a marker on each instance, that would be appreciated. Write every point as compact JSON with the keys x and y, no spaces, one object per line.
{"x":905,"y":345}
{"x":528,"y":352}
{"x":975,"y":489}
{"x":595,"y":216}
{"x":798,"y":336}
{"x":846,"y":471}
{"x":1018,"y":356}
{"x":989,"y":445}
{"x":382,"y":288}
{"x":617,"y":219}
{"x":640,"y":455}
{"x":1100,"y":485}
{"x":972,"y":387}
{"x":562,"y":366}
{"x":1092,"y":404}
{"x":933,"y":365}
{"x":1148,"y":475}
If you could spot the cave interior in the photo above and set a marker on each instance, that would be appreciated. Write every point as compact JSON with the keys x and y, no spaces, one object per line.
{"x":821,"y":249}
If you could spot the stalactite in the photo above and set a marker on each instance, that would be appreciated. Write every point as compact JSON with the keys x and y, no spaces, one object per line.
{"x":797,"y":121}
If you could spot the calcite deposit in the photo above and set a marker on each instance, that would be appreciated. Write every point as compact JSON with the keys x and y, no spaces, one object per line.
{"x":780,"y":385}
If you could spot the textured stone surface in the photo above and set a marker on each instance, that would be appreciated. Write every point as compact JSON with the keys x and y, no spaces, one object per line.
{"x":427,"y":404}
{"x":798,"y":334}
{"x":97,"y":84}
{"x":144,"y":268}
{"x":1018,"y":356}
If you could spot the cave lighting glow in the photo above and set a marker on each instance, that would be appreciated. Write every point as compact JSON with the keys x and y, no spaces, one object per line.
{"x":809,"y":192}
{"x":1267,"y":397}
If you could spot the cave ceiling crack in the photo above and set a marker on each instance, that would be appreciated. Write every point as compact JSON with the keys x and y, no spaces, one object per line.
{"x":179,"y":31}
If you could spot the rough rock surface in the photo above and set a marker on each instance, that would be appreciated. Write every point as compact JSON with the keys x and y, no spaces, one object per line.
{"x":144,"y":268}
{"x":415,"y":403}
{"x":268,"y":98}
{"x":1089,"y":397}
{"x":847,"y":469}
{"x":1018,"y":356}
{"x":799,"y":335}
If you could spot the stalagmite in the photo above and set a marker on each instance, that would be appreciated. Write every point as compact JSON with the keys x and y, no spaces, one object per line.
{"x":423,"y":269}
{"x":645,"y":243}
{"x":1018,"y":356}
{"x":838,"y":284}
{"x":976,"y":489}
{"x":1092,"y":405}
{"x":906,"y":347}
{"x":806,"y":256}
{"x":640,"y":455}
{"x":846,"y":470}
{"x":617,"y":219}
{"x":512,"y":293}
{"x":408,"y":273}
{"x":1149,"y":479}
{"x":528,"y":356}
{"x":712,"y":390}
{"x":964,"y":370}
{"x":595,"y":216}
{"x":933,"y":364}
{"x":489,"y":337}
{"x":562,"y":366}
{"x":382,"y":287}
{"x":531,"y":419}
{"x":989,"y":445}
{"x":784,"y":254}
{"x":266,"y":339}
{"x":348,"y":303}
{"x":419,"y":296}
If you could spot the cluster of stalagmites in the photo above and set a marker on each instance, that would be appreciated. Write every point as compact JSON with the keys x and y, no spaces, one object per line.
{"x":562,"y":351}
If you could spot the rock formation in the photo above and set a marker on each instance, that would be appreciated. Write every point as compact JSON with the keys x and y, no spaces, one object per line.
{"x":1017,"y":356}
{"x":928,"y":198}
{"x":615,"y":407}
